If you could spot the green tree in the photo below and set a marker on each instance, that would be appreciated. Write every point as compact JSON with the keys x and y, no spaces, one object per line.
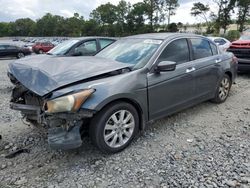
{"x":201,"y":10}
{"x":123,"y":9}
{"x":170,"y":7}
{"x":223,"y":18}
{"x":136,"y":19}
{"x":153,"y":12}
{"x":23,"y":27}
{"x":173,"y":27}
{"x":243,"y":13}
{"x":105,"y":14}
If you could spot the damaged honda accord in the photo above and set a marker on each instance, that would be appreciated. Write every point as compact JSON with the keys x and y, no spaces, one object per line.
{"x":123,"y":88}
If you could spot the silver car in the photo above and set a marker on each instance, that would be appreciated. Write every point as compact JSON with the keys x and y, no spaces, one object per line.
{"x":115,"y":94}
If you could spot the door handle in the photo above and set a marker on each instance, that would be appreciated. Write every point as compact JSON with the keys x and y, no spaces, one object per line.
{"x":218,"y":60}
{"x":190,"y":70}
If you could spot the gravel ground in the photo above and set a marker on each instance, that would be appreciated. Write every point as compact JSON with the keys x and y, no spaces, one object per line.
{"x":204,"y":146}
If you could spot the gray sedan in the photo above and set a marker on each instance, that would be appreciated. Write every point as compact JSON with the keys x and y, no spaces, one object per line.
{"x":115,"y":94}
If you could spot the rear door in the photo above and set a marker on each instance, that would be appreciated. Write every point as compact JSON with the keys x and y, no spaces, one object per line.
{"x":170,"y":91}
{"x":207,"y":64}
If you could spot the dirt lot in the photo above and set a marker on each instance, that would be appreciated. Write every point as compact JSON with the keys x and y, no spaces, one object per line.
{"x":204,"y":146}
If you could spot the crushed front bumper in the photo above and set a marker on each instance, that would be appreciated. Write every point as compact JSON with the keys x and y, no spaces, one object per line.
{"x":64,"y":129}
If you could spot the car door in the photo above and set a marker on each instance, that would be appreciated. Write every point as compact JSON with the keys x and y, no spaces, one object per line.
{"x":207,"y":66}
{"x":170,"y":91}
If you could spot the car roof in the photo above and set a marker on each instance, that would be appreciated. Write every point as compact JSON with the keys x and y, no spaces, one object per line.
{"x":94,"y":37}
{"x":161,"y":36}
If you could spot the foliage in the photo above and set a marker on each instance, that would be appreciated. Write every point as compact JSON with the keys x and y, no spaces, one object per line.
{"x":125,"y":19}
{"x":243,"y":13}
{"x":232,"y":35}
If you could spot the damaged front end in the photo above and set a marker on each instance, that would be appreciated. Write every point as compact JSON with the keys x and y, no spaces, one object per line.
{"x":62,"y":116}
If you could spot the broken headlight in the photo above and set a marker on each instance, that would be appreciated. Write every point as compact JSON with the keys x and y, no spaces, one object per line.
{"x":68,"y":103}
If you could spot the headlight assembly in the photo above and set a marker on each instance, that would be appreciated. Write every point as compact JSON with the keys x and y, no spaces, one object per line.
{"x":68,"y":103}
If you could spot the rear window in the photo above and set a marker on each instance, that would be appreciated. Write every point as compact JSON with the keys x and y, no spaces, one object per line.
{"x":201,"y":48}
{"x":220,"y":41}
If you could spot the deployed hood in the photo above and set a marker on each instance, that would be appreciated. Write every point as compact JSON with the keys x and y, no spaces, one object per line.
{"x":43,"y":73}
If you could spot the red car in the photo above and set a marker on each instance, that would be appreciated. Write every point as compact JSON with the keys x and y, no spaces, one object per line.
{"x":241,"y":49}
{"x":42,"y":47}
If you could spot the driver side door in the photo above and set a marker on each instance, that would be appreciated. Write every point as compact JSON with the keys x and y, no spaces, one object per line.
{"x":171,"y":91}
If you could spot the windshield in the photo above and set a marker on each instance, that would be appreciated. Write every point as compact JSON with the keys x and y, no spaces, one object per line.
{"x":62,"y":48}
{"x":245,"y":37}
{"x":132,"y":51}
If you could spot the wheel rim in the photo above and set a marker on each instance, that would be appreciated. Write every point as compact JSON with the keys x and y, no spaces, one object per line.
{"x":20,"y":55}
{"x":119,"y":128}
{"x":224,"y":88}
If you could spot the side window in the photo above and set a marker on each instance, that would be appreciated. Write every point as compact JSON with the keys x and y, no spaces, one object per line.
{"x":105,"y":42}
{"x":87,"y":48}
{"x":201,"y":48}
{"x":220,"y":41}
{"x":176,"y":51}
{"x":214,"y":48}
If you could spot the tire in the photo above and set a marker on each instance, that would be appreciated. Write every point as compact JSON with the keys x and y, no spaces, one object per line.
{"x":20,"y":55}
{"x":222,"y":90}
{"x":118,"y":135}
{"x":40,"y":52}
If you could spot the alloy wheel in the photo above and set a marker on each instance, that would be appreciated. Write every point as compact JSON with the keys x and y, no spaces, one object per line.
{"x":119,"y":128}
{"x":224,"y":88}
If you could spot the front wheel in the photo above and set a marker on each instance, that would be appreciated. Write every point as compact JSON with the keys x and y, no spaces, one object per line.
{"x":114,"y":127}
{"x":223,"y":89}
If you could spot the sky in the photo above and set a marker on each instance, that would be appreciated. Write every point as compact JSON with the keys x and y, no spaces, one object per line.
{"x":10,"y":10}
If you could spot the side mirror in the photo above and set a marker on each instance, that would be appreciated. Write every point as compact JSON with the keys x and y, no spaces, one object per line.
{"x":165,"y":66}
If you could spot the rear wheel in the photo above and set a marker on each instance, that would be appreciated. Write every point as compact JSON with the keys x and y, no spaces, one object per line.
{"x":20,"y":55}
{"x":223,"y":89}
{"x":40,"y":52}
{"x":114,"y":127}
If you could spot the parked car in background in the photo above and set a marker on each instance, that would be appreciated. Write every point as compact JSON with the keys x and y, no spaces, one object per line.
{"x":8,"y":50}
{"x":114,"y":94}
{"x":241,"y":49}
{"x":42,"y":47}
{"x":223,"y":43}
{"x":84,"y":46}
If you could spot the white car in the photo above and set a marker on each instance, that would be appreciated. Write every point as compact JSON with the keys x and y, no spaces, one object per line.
{"x":223,"y":43}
